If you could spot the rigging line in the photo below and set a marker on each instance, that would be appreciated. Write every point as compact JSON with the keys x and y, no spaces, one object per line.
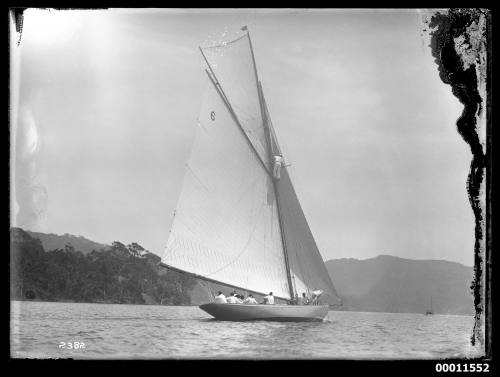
{"x":235,"y":118}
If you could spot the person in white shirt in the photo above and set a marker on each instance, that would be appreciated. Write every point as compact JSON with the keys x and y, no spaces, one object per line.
{"x":278,"y":161}
{"x":220,"y":298}
{"x":250,"y":300}
{"x":233,"y":299}
{"x":269,"y":299}
{"x":315,"y":297}
{"x":304,"y":300}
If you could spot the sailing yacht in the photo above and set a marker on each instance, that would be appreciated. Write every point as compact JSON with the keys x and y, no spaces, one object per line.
{"x":236,"y":223}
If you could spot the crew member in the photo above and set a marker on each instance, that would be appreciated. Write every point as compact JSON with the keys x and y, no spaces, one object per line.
{"x":233,"y":299}
{"x":269,"y":299}
{"x":250,"y":300}
{"x":278,"y":161}
{"x":220,"y":298}
{"x":304,"y":299}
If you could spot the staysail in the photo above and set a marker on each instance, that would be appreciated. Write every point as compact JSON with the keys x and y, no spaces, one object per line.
{"x":234,"y":224}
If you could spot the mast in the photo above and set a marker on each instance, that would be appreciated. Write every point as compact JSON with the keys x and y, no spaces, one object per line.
{"x":202,"y":243}
{"x":278,"y":207}
{"x":270,"y":154}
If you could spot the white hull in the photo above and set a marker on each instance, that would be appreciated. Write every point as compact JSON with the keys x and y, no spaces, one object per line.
{"x":284,"y":313}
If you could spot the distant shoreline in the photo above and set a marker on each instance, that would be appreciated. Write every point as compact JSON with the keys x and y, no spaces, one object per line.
{"x":89,"y":302}
{"x":135,"y":304}
{"x":129,"y":274}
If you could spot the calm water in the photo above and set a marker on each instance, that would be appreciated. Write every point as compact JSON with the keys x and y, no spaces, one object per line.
{"x":143,"y":331}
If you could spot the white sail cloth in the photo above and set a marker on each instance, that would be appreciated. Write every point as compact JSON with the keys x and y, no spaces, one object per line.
{"x":307,"y":268}
{"x":306,"y":264}
{"x":233,"y":65}
{"x":226,"y":225}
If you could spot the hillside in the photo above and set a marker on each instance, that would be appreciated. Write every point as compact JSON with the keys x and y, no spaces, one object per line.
{"x":390,"y":284}
{"x":384,"y":283}
{"x":126,"y":274}
{"x":52,"y":241}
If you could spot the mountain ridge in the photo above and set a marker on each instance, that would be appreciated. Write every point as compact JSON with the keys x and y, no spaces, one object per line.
{"x":388,"y":256}
{"x":384,"y":283}
{"x":53,"y":241}
{"x":394,"y":284}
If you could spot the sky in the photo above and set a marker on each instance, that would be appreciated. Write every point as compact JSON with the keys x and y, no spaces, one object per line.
{"x":105,"y":106}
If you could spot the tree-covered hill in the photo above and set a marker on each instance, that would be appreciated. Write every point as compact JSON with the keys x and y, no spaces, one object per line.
{"x":390,"y":284}
{"x":51,"y":241}
{"x":119,"y":274}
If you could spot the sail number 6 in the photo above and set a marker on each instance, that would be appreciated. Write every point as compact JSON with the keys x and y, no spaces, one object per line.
{"x":212,"y":115}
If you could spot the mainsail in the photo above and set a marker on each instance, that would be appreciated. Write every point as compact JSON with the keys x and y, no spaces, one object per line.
{"x":234,"y":224}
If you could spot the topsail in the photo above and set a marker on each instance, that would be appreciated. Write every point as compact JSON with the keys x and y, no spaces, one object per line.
{"x":234,"y":223}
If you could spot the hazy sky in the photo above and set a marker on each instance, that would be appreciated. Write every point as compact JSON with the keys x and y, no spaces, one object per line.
{"x":108,"y":103}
